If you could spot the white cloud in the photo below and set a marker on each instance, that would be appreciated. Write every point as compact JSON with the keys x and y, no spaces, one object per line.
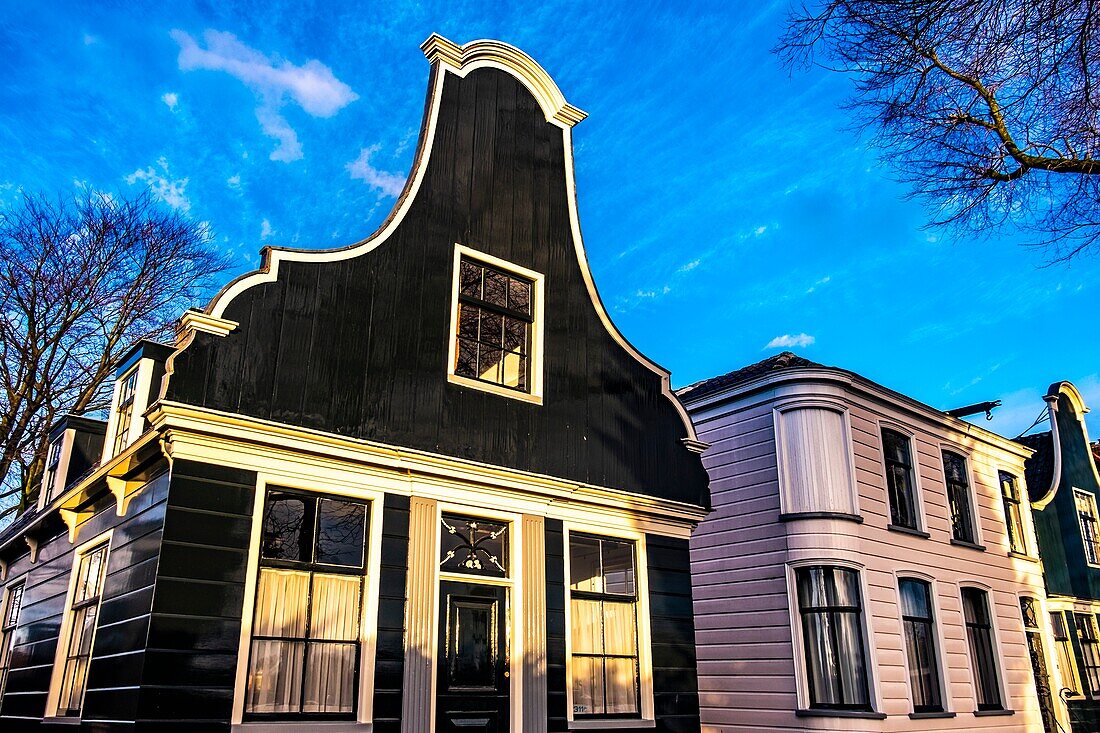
{"x":162,"y":185}
{"x":760,"y":230}
{"x":390,"y":184}
{"x":653,"y":293}
{"x":265,"y":229}
{"x":823,"y":281}
{"x":689,"y":266}
{"x":234,"y":181}
{"x":787,"y":341}
{"x":274,"y":81}
{"x":171,"y":99}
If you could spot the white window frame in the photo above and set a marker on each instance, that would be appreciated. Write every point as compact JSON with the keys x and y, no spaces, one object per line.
{"x":972,"y":490}
{"x":5,"y":599}
{"x":870,"y":656}
{"x":368,"y":626}
{"x":1024,"y":506}
{"x":995,"y":631}
{"x":647,"y":714}
{"x":918,"y":488}
{"x":142,"y":392}
{"x":535,"y":365}
{"x":779,"y":411}
{"x":64,"y":443}
{"x":64,"y":636}
{"x":1091,"y":500}
{"x":938,"y":638}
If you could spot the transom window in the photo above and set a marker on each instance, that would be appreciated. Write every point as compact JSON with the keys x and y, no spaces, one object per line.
{"x":983,"y":656}
{"x":1086,"y":516}
{"x":90,"y":573}
{"x":899,"y":479}
{"x":1090,"y":651}
{"x":604,"y":620}
{"x":304,"y":660}
{"x":473,"y":546}
{"x":958,"y":495}
{"x":1014,"y":519}
{"x":830,"y":608}
{"x":495,"y":319}
{"x":920,"y":645}
{"x":125,"y":410}
{"x":8,"y":623}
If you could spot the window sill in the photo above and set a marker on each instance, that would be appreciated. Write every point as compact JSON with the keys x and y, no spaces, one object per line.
{"x":607,"y":723}
{"x":515,"y":394}
{"x":61,"y":721}
{"x":813,"y":713}
{"x":926,"y":716}
{"x":302,"y":726}
{"x":794,"y":516}
{"x":907,"y":530}
{"x":988,"y":713}
{"x":971,"y":545}
{"x":1022,"y":556}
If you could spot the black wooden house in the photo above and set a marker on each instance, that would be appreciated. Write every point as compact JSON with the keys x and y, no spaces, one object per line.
{"x":420,"y":483}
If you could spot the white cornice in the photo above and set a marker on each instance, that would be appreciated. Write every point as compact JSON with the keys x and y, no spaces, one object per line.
{"x":855,"y":382}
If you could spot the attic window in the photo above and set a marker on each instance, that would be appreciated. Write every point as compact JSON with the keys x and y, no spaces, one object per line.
{"x":125,"y":411}
{"x":494,"y":327}
{"x":53,"y":460}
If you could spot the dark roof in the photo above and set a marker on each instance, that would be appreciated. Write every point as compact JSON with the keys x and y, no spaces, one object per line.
{"x":786,"y":360}
{"x":19,"y":524}
{"x":1039,"y":468}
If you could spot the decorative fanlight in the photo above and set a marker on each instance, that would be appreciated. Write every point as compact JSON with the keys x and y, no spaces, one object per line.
{"x":473,"y":546}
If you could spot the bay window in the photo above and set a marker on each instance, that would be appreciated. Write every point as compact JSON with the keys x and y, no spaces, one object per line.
{"x":305,"y":647}
{"x":830,"y":610}
{"x":604,"y":620}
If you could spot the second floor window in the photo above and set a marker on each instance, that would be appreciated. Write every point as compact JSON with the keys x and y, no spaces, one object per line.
{"x":983,"y":654}
{"x":1014,"y":518}
{"x":124,"y":413}
{"x":1086,"y":517}
{"x":958,"y":497}
{"x":831,"y":613}
{"x":899,"y":479}
{"x":8,"y":623}
{"x":1085,"y":625}
{"x":920,"y":645}
{"x":495,"y":319}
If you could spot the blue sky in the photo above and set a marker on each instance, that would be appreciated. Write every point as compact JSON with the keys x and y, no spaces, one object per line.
{"x":725,"y":204}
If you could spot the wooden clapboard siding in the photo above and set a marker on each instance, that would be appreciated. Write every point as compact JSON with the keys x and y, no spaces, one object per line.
{"x":389,"y":662}
{"x":747,"y":675}
{"x":118,"y":653}
{"x":359,"y":346}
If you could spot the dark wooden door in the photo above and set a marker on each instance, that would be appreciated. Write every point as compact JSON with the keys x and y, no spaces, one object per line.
{"x":472,"y":689}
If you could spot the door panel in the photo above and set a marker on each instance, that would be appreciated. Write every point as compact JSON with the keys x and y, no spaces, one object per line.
{"x":472,"y":694}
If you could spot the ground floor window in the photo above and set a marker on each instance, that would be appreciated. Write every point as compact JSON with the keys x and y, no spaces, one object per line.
{"x":830,"y":610}
{"x":983,"y":656}
{"x":1090,"y":651}
{"x":8,"y":622}
{"x":91,"y":569}
{"x":604,"y":621}
{"x":304,"y":656}
{"x":920,"y":644}
{"x":1064,"y":649}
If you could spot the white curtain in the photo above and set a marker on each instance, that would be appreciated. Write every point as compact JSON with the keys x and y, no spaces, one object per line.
{"x":588,"y":696}
{"x":622,"y":697}
{"x":585,"y":620}
{"x":275,"y":679}
{"x":281,"y":602}
{"x":330,"y":678}
{"x":815,"y":462}
{"x":335,"y":613}
{"x":618,"y":628}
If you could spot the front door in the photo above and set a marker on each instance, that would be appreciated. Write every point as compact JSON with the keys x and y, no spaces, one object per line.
{"x":472,"y":688}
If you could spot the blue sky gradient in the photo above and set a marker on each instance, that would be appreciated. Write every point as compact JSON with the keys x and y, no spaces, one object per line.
{"x":725,"y":203}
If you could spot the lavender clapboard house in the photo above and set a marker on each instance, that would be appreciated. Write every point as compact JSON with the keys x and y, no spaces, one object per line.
{"x":420,"y":483}
{"x":870,"y":565}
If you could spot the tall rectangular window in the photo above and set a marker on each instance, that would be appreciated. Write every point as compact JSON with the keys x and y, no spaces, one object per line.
{"x":1014,"y":518}
{"x":495,"y":319}
{"x":1064,"y":648}
{"x":604,"y":620}
{"x":1090,"y":651}
{"x":983,"y":656}
{"x":920,"y":645}
{"x":831,"y":612}
{"x":53,"y":460}
{"x":958,"y":496}
{"x":8,"y":623}
{"x":91,"y":570}
{"x":304,"y":660}
{"x":899,"y":479}
{"x":124,"y":413}
{"x":1086,"y":517}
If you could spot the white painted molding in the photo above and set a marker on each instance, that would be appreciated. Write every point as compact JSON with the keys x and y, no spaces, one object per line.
{"x":32,"y":543}
{"x":533,"y":575}
{"x":195,"y":320}
{"x":418,"y":700}
{"x":3,"y":571}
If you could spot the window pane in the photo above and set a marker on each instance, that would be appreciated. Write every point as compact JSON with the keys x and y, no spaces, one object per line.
{"x":621,"y":681}
{"x":468,"y":319}
{"x":619,"y":629}
{"x":519,"y":295}
{"x":618,"y":566}
{"x":469,"y":279}
{"x":281,"y":602}
{"x":853,"y":669}
{"x":584,"y":616}
{"x":514,"y":371}
{"x":915,"y":599}
{"x":515,"y":334}
{"x":584,"y":564}
{"x":923,"y":673}
{"x":822,"y":664}
{"x":496,"y":288}
{"x":466,"y":359}
{"x":488,"y":363}
{"x":80,"y":643}
{"x":588,"y":695}
{"x":335,"y":611}
{"x":288,"y":527}
{"x":275,"y":677}
{"x":340,"y":531}
{"x":492,"y":329}
{"x":72,"y":686}
{"x":980,"y":642}
{"x":330,"y":678}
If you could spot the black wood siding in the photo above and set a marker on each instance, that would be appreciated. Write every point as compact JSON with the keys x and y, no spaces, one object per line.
{"x":389,"y":668}
{"x":118,"y":653}
{"x":556,"y":681}
{"x":194,"y":631}
{"x":359,"y":346}
{"x":672,"y":625}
